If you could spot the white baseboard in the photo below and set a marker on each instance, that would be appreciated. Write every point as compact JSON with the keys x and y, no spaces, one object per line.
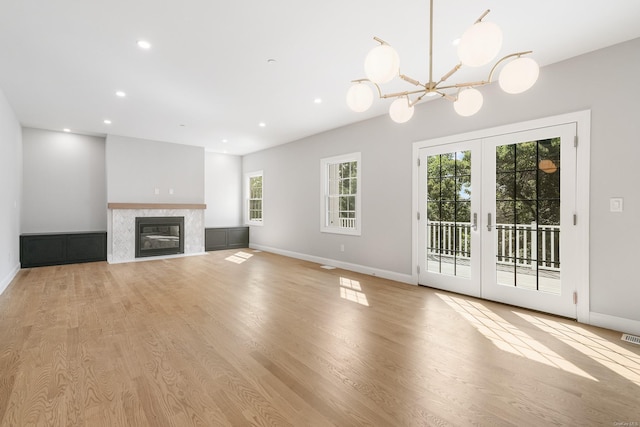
{"x":385,"y":274}
{"x":616,"y":323}
{"x":4,"y":284}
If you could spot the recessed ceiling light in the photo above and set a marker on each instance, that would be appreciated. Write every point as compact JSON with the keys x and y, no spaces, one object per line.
{"x":107,"y":122}
{"x":224,"y":141}
{"x":66,"y":130}
{"x":143,"y":44}
{"x":121,"y":94}
{"x":317,"y":101}
{"x":262,"y":124}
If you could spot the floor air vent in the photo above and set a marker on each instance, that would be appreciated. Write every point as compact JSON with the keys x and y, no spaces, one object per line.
{"x":631,"y":338}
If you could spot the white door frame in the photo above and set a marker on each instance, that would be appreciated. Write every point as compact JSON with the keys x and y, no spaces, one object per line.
{"x":582,"y":119}
{"x":467,"y":285}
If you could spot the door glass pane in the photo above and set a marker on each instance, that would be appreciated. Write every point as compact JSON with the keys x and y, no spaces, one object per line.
{"x":528,"y":215}
{"x":449,"y":213}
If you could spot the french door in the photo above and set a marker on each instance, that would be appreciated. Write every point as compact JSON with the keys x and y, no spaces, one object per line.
{"x":496,"y":218}
{"x":449,"y":236}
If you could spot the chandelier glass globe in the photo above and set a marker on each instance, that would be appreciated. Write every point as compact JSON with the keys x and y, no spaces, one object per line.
{"x":480,"y":44}
{"x":519,"y":75}
{"x":469,"y":102}
{"x":382,"y":64}
{"x":359,"y":97}
{"x":400,"y":111}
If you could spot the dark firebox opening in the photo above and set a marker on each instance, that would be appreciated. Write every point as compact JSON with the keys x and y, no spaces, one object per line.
{"x":157,"y":236}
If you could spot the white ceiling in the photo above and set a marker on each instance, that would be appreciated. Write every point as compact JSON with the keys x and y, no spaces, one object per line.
{"x":207,"y":79}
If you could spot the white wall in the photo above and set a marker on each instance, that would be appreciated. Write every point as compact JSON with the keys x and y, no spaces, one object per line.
{"x":137,"y":167}
{"x":10,"y":192}
{"x":604,"y":81}
{"x":64,"y":182}
{"x":223,"y":190}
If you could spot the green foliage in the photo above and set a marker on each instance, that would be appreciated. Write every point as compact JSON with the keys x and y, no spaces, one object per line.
{"x":526,"y":189}
{"x":348,"y":187}
{"x":255,"y":187}
{"x":528,"y":182}
{"x":449,"y":187}
{"x":255,"y":198}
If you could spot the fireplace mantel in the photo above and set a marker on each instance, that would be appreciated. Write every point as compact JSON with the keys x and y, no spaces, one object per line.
{"x":156,"y":206}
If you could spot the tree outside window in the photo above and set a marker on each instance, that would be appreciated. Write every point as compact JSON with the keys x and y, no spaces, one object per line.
{"x":254,"y":191}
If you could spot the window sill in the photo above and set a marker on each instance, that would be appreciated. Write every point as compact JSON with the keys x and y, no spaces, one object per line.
{"x":344,"y":231}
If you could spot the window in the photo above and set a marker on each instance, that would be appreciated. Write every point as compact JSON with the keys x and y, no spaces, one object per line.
{"x":341,"y":194}
{"x":254,"y":193}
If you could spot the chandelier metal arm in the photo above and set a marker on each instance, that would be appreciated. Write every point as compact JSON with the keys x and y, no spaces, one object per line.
{"x":401,"y":94}
{"x":467,"y":84}
{"x":431,"y":43}
{"x":450,"y":73}
{"x":411,"y":80}
{"x":486,"y":12}
{"x":379,"y":40}
{"x":518,"y":54}
{"x":431,"y":86}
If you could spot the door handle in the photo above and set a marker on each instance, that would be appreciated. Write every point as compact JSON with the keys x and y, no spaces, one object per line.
{"x":475,"y":222}
{"x":489,"y":221}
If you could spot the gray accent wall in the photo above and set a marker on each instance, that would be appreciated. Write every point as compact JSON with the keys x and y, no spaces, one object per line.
{"x":223,"y":190}
{"x":605,"y":82}
{"x":64,"y":182}
{"x":10,"y":192}
{"x":137,"y":167}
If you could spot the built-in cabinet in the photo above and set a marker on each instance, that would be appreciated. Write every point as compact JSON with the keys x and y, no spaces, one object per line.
{"x":226,"y":238}
{"x":38,"y":250}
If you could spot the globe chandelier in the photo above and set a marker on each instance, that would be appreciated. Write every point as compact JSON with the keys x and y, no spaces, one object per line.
{"x":478,"y":46}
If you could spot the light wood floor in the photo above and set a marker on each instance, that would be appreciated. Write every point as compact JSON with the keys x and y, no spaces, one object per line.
{"x":259,"y":339}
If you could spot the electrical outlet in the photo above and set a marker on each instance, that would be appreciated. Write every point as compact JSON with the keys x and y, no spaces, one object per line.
{"x":157,"y":191}
{"x":616,"y":204}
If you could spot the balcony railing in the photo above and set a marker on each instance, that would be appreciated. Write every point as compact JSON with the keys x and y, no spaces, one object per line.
{"x":521,"y":244}
{"x":348,"y":222}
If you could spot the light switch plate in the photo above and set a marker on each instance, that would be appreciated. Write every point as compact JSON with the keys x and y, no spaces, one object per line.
{"x":616,"y":204}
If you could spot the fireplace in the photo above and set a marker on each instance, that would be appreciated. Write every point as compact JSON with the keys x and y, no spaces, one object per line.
{"x":159,"y":236}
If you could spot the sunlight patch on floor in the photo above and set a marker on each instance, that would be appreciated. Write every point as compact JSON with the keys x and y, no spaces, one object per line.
{"x":352,"y":291}
{"x":620,"y":360}
{"x":508,"y":337}
{"x":239,"y":257}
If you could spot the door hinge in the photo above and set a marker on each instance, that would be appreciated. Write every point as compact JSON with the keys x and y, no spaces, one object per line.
{"x":575,"y":219}
{"x":418,"y":162}
{"x":575,"y":141}
{"x":418,"y":215}
{"x":575,"y":298}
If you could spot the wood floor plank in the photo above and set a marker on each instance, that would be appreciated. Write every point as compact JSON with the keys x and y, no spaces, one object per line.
{"x":236,"y":338}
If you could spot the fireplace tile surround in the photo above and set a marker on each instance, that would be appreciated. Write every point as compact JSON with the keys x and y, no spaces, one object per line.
{"x":121,"y":228}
